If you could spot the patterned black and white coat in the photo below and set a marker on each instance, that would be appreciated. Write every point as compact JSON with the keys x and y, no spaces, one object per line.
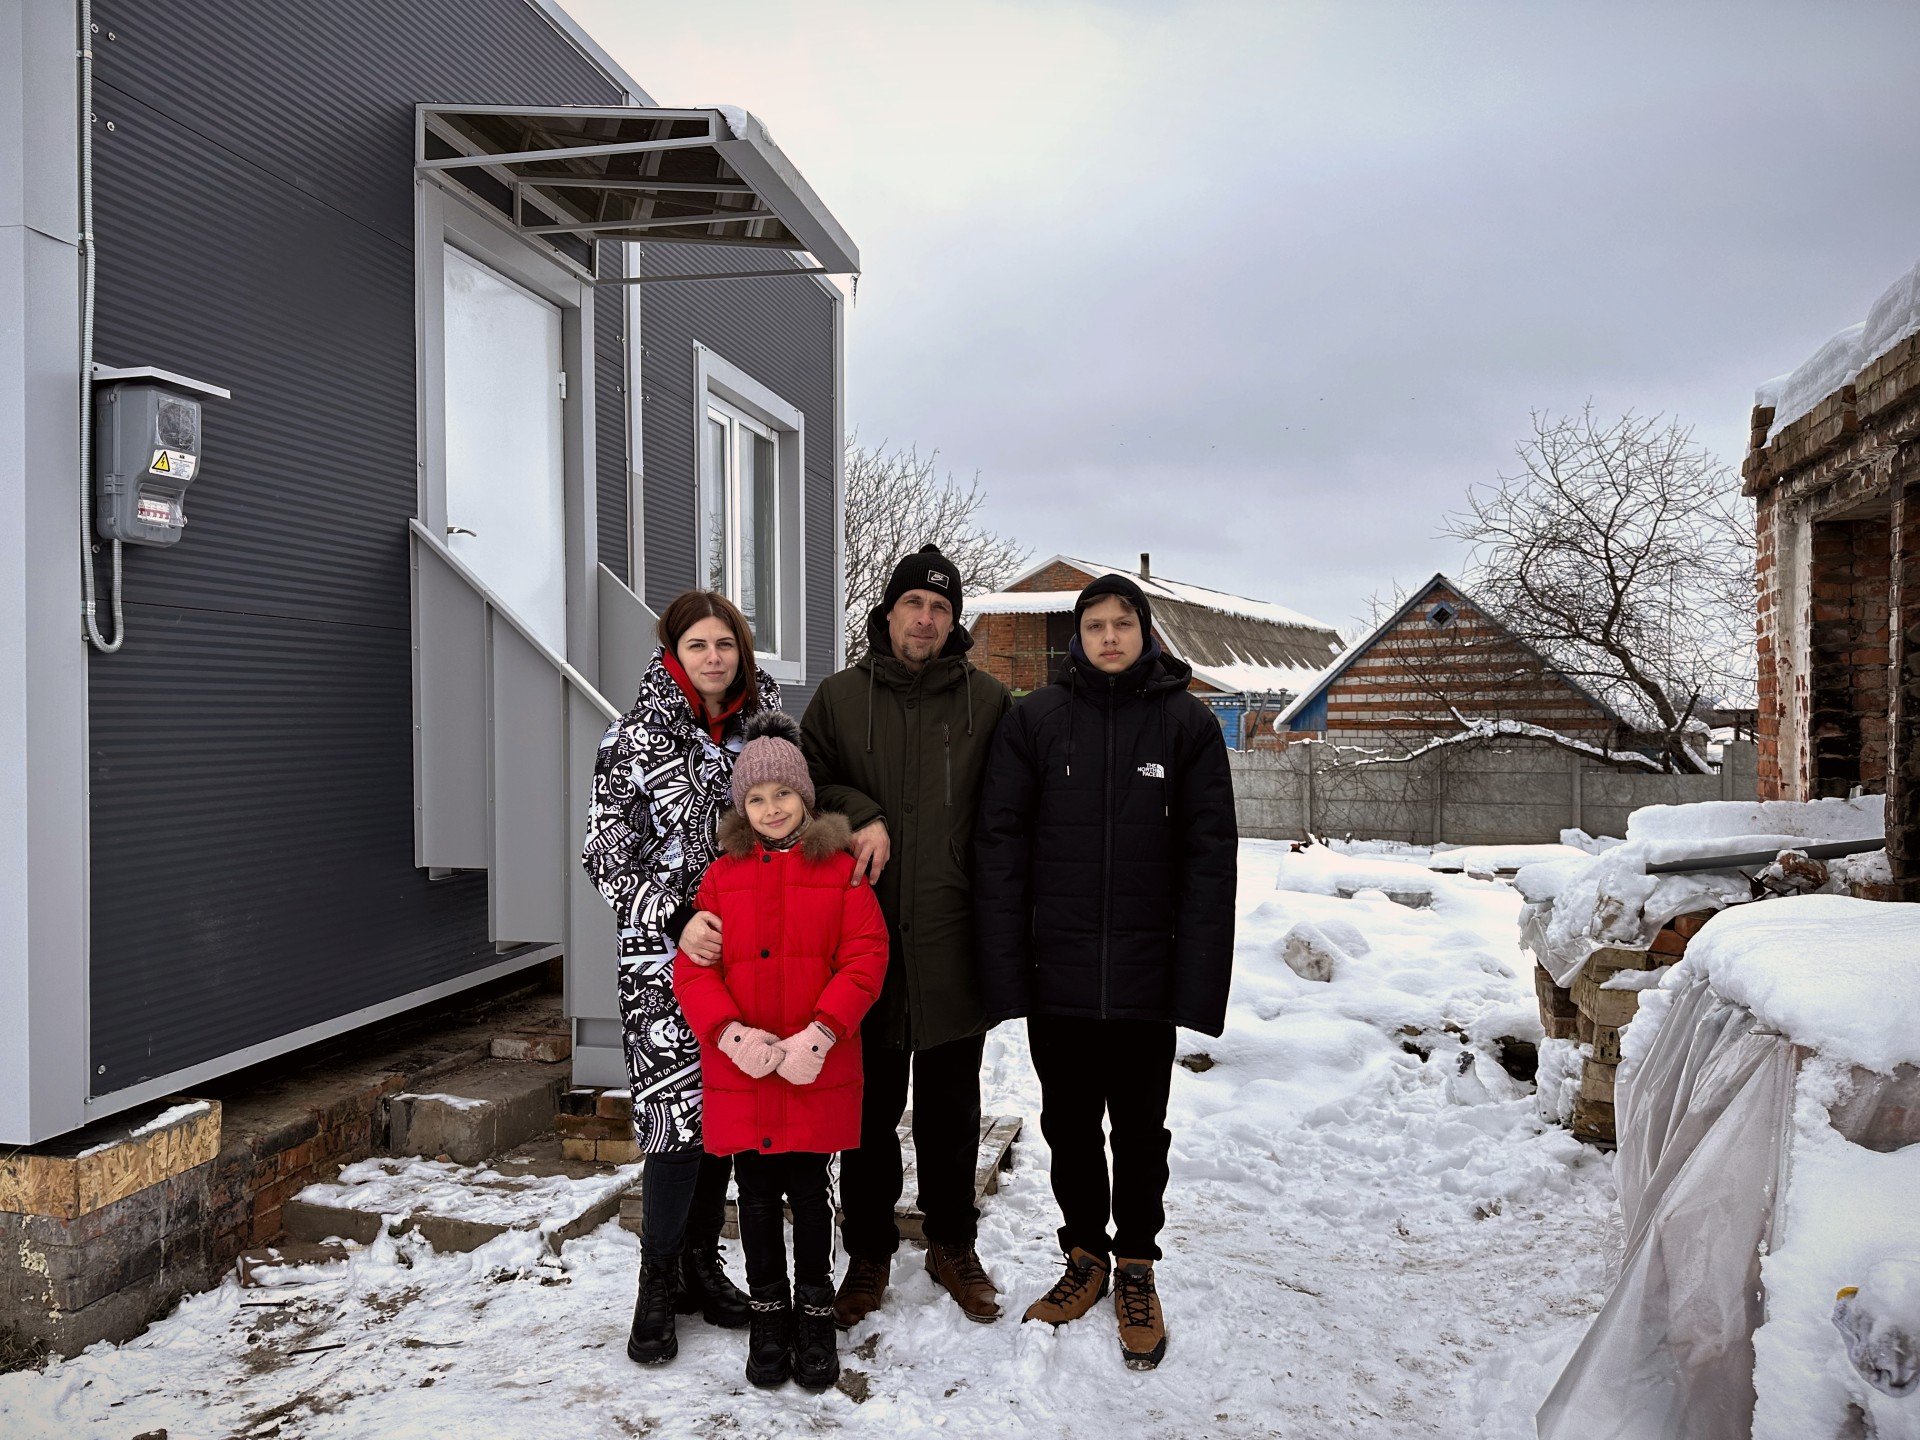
{"x":659,"y":786}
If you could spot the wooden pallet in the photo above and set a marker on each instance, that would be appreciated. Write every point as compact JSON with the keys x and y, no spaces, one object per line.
{"x":997,"y":1136}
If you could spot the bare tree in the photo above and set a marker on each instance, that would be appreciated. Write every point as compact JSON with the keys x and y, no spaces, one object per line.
{"x":1623,"y":552}
{"x":897,"y":502}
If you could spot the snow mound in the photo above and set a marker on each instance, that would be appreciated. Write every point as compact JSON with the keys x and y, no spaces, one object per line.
{"x":1893,"y":317}
{"x":1736,"y":820}
{"x":1581,"y":904}
{"x":1838,"y":975}
{"x":1846,"y":1220}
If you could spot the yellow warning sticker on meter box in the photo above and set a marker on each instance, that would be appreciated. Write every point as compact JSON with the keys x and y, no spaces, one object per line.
{"x":174,"y":464}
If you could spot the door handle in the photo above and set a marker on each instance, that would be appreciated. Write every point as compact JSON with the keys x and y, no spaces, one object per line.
{"x":462,"y":530}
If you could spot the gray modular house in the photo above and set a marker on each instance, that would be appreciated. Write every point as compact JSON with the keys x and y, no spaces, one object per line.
{"x":469,"y":409}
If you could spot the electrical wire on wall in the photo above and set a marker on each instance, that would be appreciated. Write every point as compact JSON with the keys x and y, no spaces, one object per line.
{"x":91,"y":608}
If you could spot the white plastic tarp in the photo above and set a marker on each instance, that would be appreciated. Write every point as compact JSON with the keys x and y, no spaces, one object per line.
{"x":1707,"y":1127}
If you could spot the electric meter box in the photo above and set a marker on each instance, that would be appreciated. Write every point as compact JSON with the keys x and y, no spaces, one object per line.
{"x":146,"y":451}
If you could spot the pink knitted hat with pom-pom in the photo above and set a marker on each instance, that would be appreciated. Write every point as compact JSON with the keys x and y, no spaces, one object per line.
{"x":772,"y":752}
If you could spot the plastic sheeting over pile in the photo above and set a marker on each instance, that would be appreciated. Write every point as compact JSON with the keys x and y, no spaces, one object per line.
{"x":1714,"y":1116}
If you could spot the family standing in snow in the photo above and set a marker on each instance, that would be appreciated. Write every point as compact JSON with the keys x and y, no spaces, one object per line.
{"x":1095,"y":900}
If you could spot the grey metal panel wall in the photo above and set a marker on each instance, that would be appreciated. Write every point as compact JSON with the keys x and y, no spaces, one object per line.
{"x":780,"y":332}
{"x":251,"y":764}
{"x":610,"y":414}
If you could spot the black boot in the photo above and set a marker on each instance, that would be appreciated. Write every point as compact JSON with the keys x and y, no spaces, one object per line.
{"x":705,"y":1288}
{"x":652,"y":1341}
{"x":816,"y":1349}
{"x":770,"y":1336}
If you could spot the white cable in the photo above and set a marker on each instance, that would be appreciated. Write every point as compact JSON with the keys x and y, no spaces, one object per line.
{"x":90,"y":609}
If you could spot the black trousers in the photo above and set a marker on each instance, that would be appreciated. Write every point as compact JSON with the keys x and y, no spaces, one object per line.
{"x":768,"y":1185}
{"x":683,"y":1202}
{"x":1119,"y":1071}
{"x":946,"y":1146}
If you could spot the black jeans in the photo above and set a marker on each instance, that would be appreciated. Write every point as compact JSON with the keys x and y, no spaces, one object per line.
{"x":769,"y":1184}
{"x":946,"y":1146}
{"x":1120,"y":1071}
{"x":683,"y":1202}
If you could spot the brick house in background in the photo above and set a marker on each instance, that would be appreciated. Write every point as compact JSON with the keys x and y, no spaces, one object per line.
{"x":1437,"y":659}
{"x":1834,"y":470}
{"x":1249,"y":657}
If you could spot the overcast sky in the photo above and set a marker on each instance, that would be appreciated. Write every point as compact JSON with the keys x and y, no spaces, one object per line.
{"x":1262,"y":288}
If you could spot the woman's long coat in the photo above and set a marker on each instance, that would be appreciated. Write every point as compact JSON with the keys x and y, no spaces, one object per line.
{"x":659,"y":786}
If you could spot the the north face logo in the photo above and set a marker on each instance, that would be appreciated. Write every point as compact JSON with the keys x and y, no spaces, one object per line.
{"x":1153,"y":770}
{"x":937,"y":578}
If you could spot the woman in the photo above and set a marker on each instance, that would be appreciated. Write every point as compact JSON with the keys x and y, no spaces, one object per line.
{"x":662,"y":778}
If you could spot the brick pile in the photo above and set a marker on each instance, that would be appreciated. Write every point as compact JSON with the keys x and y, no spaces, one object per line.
{"x":597,"y":1125}
{"x":1594,"y":1015}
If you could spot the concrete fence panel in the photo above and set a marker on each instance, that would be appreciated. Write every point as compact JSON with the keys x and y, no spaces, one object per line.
{"x":1506,"y":792}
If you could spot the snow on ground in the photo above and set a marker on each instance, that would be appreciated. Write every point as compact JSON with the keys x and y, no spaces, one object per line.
{"x":1361,"y":1242}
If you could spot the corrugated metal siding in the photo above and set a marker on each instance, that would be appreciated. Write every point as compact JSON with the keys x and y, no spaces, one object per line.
{"x":781,"y":333}
{"x":610,"y":414}
{"x":251,"y":761}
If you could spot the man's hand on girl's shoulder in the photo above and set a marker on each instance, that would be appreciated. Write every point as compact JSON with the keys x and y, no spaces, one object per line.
{"x":700,"y":941}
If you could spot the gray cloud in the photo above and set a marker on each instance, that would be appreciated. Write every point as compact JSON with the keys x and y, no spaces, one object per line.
{"x":1263,"y":288}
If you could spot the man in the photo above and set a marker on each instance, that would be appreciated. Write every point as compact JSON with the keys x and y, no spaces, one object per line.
{"x":898,"y":743}
{"x":1106,"y":855}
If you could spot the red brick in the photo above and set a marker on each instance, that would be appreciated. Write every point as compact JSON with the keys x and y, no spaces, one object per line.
{"x":1669,"y":942}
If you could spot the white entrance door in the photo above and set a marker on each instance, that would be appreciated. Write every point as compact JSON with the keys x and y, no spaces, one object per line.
{"x":506,"y":446}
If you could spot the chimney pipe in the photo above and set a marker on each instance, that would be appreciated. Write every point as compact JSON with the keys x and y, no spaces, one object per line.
{"x":1146,"y":566}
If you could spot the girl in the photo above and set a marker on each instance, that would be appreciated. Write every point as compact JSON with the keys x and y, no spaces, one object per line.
{"x":803,"y":954}
{"x":658,"y":788}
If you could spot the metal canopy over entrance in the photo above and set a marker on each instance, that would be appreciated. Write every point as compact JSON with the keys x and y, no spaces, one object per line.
{"x":576,"y":174}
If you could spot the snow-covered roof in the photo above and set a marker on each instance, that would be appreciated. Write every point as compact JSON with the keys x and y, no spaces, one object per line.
{"x":1235,"y":644}
{"x":1894,"y":316}
{"x":1022,"y":602}
{"x":1155,"y":587}
{"x":1241,"y":677}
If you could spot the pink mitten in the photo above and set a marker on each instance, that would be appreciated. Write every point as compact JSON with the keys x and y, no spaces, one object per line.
{"x":802,"y":1054}
{"x":756,"y":1052}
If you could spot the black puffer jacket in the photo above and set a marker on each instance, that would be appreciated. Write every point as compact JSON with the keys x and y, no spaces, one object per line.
{"x":1106,"y":851}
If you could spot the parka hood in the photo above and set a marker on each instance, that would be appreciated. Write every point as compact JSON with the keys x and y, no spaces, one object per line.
{"x":1154,"y":673}
{"x":825,"y":835}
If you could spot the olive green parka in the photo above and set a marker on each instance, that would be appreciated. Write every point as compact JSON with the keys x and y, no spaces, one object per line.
{"x":883,"y":742}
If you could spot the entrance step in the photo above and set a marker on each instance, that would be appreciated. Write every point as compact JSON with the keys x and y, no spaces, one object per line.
{"x":270,"y":1265}
{"x":461,"y":1207}
{"x":997,"y":1134}
{"x":481,"y":1111}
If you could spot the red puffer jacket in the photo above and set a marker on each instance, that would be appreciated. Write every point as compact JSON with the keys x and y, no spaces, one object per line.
{"x":798,"y":943}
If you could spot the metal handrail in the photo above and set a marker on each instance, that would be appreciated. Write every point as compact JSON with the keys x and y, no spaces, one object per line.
{"x":579,"y":682}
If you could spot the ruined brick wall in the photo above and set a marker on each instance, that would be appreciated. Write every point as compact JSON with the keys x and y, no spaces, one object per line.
{"x":1848,"y":650}
{"x":1769,"y":640}
{"x":1838,"y":567}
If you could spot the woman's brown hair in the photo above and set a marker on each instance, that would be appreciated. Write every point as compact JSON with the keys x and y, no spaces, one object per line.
{"x":688,"y":609}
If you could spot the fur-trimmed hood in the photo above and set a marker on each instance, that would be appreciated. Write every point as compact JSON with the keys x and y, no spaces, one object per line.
{"x":825,"y":835}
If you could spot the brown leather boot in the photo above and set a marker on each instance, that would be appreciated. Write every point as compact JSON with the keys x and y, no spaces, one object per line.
{"x":862,"y":1291}
{"x":1075,"y":1292}
{"x":1143,"y":1329}
{"x":957,"y":1269}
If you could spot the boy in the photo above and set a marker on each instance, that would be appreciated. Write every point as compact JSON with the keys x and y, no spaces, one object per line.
{"x":1106,"y":852}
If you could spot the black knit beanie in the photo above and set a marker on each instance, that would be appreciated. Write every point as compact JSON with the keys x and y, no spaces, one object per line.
{"x":1115,"y":585}
{"x":925,"y":569}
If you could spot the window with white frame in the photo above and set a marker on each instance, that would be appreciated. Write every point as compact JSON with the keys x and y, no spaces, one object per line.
{"x":740,"y":503}
{"x":749,"y":530}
